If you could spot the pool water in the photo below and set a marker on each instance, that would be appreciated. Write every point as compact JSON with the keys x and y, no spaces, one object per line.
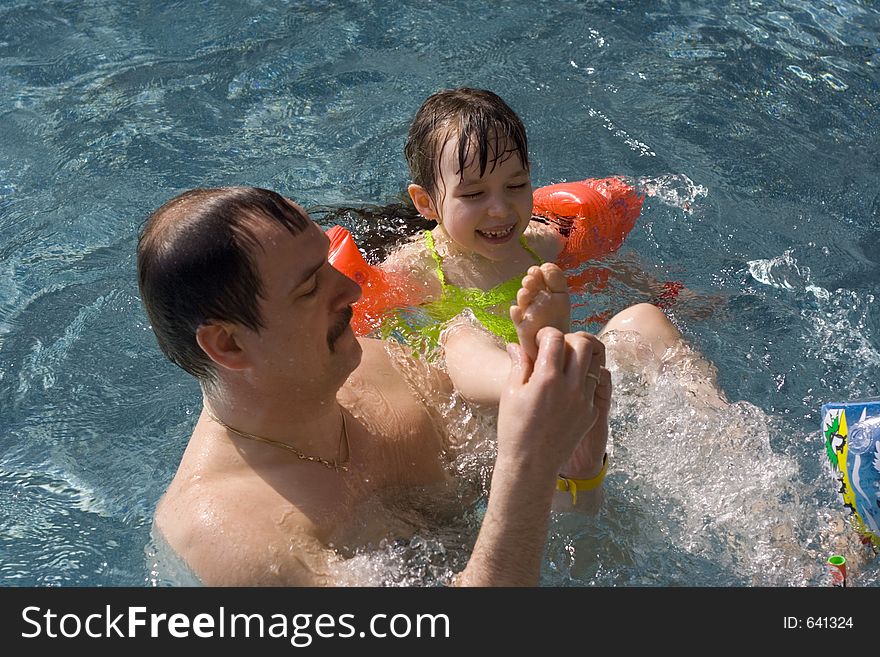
{"x":752,"y":126}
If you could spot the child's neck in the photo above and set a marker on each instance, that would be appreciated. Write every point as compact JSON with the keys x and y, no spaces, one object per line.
{"x":468,"y":268}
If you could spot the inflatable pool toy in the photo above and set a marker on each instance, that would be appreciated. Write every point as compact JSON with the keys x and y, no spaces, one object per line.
{"x":593,"y":215}
{"x":852,"y":443}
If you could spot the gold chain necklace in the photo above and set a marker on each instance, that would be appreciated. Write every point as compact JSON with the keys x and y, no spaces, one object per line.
{"x":337,"y":465}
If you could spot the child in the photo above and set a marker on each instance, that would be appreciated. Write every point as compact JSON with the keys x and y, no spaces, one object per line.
{"x":468,"y":154}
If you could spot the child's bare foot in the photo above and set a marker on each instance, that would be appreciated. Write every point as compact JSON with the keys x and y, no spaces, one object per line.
{"x":541,"y":301}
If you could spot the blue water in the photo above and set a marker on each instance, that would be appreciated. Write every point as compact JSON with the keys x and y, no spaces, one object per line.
{"x":754,"y":125}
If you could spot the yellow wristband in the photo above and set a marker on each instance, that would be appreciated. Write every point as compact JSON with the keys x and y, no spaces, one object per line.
{"x":574,"y":485}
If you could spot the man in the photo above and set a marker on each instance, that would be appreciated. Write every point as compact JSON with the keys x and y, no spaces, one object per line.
{"x":305,"y":426}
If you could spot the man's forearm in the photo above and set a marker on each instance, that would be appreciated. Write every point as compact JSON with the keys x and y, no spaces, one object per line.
{"x":510,"y":547}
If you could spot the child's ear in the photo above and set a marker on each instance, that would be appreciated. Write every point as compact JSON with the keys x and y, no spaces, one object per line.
{"x":423,"y":202}
{"x":219,"y":342}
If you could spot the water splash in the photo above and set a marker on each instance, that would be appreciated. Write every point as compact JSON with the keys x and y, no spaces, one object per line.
{"x":840,"y":331}
{"x":695,"y":485}
{"x":675,"y":190}
{"x":780,"y":272}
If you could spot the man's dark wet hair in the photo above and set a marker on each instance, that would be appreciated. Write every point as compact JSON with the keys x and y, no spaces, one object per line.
{"x":196,"y":263}
{"x":479,"y":118}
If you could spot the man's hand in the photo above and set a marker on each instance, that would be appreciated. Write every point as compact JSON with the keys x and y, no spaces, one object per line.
{"x":549,"y":405}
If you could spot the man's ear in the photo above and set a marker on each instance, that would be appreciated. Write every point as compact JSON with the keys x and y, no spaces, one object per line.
{"x":219,"y":342}
{"x":423,"y":202}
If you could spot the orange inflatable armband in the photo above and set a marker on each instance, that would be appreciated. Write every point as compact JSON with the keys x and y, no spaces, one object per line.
{"x":380,"y":291}
{"x":595,"y":215}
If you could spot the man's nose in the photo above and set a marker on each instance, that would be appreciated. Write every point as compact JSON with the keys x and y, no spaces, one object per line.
{"x":349,"y":290}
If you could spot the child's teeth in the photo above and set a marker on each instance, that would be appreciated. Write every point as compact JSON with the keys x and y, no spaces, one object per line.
{"x":496,"y":233}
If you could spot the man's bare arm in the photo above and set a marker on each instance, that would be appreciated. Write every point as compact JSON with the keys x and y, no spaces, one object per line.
{"x":543,"y":409}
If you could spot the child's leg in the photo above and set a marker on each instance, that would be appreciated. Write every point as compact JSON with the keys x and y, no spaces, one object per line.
{"x":541,"y":301}
{"x":476,"y":365}
{"x":657,"y":332}
{"x":650,"y":323}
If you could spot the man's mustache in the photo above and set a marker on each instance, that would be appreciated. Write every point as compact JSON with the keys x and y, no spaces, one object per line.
{"x":338,"y":329}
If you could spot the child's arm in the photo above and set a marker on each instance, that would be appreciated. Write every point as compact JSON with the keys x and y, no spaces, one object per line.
{"x":594,"y":216}
{"x":625,"y":280}
{"x":412,"y":261}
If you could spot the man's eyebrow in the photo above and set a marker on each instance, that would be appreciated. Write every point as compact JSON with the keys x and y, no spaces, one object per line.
{"x":309,"y":273}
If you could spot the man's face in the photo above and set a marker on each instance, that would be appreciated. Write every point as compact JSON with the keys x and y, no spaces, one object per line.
{"x":307,"y":339}
{"x":487,"y":214}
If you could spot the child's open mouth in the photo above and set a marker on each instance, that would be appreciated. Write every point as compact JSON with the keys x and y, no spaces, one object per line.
{"x":498,"y":234}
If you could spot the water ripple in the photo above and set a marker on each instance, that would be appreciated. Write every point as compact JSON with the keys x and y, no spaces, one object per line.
{"x":767,"y":113}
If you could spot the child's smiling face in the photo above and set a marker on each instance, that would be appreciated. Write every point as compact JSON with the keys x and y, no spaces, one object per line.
{"x":483,"y":214}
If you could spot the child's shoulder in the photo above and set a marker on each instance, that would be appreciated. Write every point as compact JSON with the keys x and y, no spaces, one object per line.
{"x":544,"y":240}
{"x":411,"y":253}
{"x":412,"y":259}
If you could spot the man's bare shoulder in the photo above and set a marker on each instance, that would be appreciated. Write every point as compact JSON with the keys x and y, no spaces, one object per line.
{"x":234,"y":530}
{"x":396,"y":396}
{"x":396,"y":374}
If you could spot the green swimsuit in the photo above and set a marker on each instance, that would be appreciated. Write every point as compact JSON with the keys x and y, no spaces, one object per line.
{"x":454,"y":299}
